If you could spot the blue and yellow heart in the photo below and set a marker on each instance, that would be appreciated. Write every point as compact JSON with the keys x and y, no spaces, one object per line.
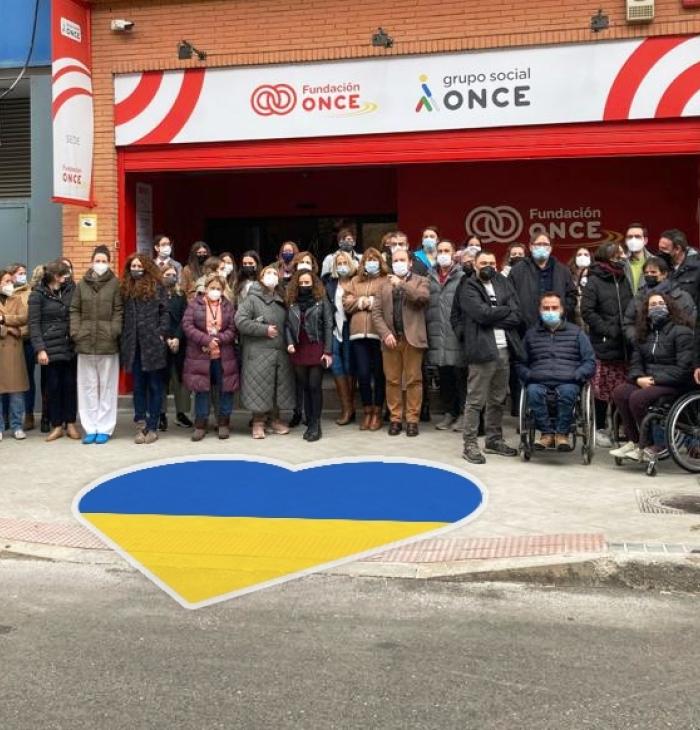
{"x":209,"y":529}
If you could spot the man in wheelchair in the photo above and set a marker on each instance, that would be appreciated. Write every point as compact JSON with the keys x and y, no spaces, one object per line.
{"x":558,"y":359}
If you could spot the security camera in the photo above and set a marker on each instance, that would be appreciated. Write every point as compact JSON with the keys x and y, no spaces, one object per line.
{"x":119,"y":25}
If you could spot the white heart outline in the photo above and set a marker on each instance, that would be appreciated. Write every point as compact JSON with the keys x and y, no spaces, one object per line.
{"x":290,"y":467}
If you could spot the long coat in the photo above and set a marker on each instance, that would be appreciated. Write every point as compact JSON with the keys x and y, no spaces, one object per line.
{"x":415,"y":300}
{"x":49,"y":322}
{"x":146,"y":324}
{"x":13,"y":370}
{"x":96,"y":313}
{"x":266,"y":370}
{"x":196,"y":374}
{"x":444,"y":349}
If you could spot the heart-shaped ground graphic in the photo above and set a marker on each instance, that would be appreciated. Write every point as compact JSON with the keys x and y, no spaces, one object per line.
{"x":210,"y":528}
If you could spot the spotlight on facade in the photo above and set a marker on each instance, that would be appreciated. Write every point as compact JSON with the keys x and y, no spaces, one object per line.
{"x":120,"y":25}
{"x":185,"y":51}
{"x":381,"y":39}
{"x":599,"y":22}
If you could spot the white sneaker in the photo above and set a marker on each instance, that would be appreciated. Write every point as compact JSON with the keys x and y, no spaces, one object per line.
{"x":20,"y":435}
{"x":622,"y":451}
{"x":603,"y":440}
{"x":635,"y":455}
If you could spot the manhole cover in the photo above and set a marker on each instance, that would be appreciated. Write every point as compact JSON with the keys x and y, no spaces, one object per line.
{"x":686,"y":502}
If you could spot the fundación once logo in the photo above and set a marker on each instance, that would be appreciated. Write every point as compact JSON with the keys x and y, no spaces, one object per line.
{"x":210,"y":528}
{"x":494,"y":224}
{"x":269,"y":99}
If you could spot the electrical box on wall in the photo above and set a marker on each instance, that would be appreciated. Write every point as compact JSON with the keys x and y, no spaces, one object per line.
{"x":640,"y":11}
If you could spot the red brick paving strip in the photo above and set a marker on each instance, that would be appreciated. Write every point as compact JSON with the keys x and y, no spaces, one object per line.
{"x":437,"y":550}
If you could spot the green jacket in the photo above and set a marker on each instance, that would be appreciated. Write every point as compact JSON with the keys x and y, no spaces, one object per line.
{"x":96,"y":313}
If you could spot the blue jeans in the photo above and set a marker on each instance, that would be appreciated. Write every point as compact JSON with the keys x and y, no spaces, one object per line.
{"x":201,"y":400}
{"x":566,"y":399}
{"x":342,"y":355}
{"x":148,"y":393}
{"x":15,"y":410}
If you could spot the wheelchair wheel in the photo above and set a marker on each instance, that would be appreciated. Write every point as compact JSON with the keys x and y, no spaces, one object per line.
{"x":526,"y":428}
{"x":683,"y":432}
{"x":587,"y":410}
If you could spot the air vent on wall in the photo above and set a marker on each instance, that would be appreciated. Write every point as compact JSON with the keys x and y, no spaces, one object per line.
{"x":640,"y":11}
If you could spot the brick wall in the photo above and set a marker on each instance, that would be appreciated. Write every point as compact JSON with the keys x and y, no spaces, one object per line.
{"x":237,"y":32}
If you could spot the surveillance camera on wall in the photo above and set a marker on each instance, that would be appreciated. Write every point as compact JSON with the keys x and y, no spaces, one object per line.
{"x":119,"y":25}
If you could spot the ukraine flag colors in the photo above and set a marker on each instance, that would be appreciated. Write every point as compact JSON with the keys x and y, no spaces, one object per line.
{"x":205,"y":530}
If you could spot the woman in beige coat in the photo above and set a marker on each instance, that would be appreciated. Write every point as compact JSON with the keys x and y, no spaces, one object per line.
{"x":13,"y":371}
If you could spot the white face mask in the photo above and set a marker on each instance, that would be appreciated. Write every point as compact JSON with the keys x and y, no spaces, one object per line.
{"x":165,"y":251}
{"x":303,"y":266}
{"x":21,"y":279}
{"x":228,"y":269}
{"x":270,"y":280}
{"x":400,"y":268}
{"x":634,"y":244}
{"x":583,"y":261}
{"x":100,"y":268}
{"x":214,"y":294}
{"x":8,"y":289}
{"x":444,"y":259}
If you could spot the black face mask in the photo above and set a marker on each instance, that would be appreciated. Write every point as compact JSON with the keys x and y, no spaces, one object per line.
{"x":202,"y":257}
{"x":305,"y":292}
{"x":468,"y":269}
{"x":248,"y":272}
{"x":514,"y":260}
{"x":667,"y":257}
{"x":487,"y":273}
{"x":170,"y":281}
{"x":136,"y":273}
{"x":346,"y":246}
{"x":651,"y":281}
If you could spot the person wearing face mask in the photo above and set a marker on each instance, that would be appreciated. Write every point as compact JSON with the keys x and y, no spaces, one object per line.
{"x":579,"y":264}
{"x":96,"y":312}
{"x":247,"y":276}
{"x":558,"y":357}
{"x":398,"y":315}
{"x":175,"y":342}
{"x":163,"y":249}
{"x":309,"y":338}
{"x":194,"y":269}
{"x":22,"y":289}
{"x":656,"y":280}
{"x":13,"y":371}
{"x":424,"y":259}
{"x":485,"y":320}
{"x":49,"y":329}
{"x":540,"y":272}
{"x":229,"y":274}
{"x":285,"y":262}
{"x":359,"y":296}
{"x":343,"y":269}
{"x":305,"y":261}
{"x":347,"y":243}
{"x":266,"y":373}
{"x":444,"y":349}
{"x":662,"y":362}
{"x":514,"y":253}
{"x":683,"y":262}
{"x":210,"y":361}
{"x":604,"y":302}
{"x":636,"y":240}
{"x":142,"y":345}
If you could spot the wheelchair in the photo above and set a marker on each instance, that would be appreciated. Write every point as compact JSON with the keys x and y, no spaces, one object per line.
{"x":582,"y":427}
{"x":673,"y":423}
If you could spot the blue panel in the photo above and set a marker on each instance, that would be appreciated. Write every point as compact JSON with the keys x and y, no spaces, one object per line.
{"x":359,"y":491}
{"x":16,"y":18}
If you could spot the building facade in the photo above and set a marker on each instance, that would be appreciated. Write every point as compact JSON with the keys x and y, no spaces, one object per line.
{"x":486,"y":118}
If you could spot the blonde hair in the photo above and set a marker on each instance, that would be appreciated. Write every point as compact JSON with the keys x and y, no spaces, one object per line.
{"x":352,"y":263}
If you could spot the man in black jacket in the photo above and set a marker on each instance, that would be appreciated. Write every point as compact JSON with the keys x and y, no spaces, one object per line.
{"x":538,"y":273}
{"x":485,"y":317}
{"x":683,"y":261}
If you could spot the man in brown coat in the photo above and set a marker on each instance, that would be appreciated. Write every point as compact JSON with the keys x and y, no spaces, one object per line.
{"x":398,"y":316}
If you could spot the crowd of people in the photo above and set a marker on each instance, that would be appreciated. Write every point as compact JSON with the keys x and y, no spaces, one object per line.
{"x":386,"y":321}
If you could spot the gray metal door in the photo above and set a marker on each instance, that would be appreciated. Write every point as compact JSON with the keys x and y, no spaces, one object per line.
{"x":14,"y":233}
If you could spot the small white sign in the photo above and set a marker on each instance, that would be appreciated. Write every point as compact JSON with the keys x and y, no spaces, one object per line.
{"x":70,"y":30}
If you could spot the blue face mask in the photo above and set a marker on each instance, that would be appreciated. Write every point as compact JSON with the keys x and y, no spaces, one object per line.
{"x":372,"y":267}
{"x":540,"y":253}
{"x":551,"y":319}
{"x":429,"y":244}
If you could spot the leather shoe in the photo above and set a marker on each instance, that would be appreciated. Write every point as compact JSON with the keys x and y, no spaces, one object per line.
{"x":394,"y":428}
{"x":411,"y":429}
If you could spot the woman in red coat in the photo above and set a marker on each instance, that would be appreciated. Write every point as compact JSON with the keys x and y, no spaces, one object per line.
{"x":210,"y":361}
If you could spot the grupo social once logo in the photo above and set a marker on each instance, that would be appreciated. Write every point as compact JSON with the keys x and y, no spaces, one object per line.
{"x":270,"y":99}
{"x":494,"y":224}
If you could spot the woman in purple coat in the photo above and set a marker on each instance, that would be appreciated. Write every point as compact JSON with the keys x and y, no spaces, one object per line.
{"x":210,"y":361}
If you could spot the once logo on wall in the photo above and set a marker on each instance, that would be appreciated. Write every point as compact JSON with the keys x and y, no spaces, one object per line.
{"x":269,"y":99}
{"x":494,"y":224}
{"x":209,"y":529}
{"x":341,"y":100}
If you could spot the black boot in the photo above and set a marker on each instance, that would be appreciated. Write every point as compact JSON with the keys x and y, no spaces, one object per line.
{"x":163,"y":422}
{"x":295,"y":420}
{"x":314,"y":431}
{"x":425,"y":412}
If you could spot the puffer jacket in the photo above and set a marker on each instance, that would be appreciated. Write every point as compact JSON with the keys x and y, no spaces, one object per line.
{"x":361,"y":324}
{"x":49,"y":322}
{"x":196,"y":373}
{"x":444,"y":348}
{"x":556,"y":356}
{"x":146,"y":323}
{"x":687,"y":277}
{"x":680,"y":297}
{"x":666,"y":354}
{"x":96,"y":313}
{"x":318,"y":324}
{"x":266,"y":373}
{"x":604,"y":301}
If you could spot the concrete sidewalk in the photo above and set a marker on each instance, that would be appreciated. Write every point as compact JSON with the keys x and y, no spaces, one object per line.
{"x":552,"y":511}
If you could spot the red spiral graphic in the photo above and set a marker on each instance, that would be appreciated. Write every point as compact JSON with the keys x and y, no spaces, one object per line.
{"x":269,"y":99}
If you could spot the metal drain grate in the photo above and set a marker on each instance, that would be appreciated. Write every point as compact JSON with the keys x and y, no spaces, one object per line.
{"x":654,"y":548}
{"x":648,"y":502}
